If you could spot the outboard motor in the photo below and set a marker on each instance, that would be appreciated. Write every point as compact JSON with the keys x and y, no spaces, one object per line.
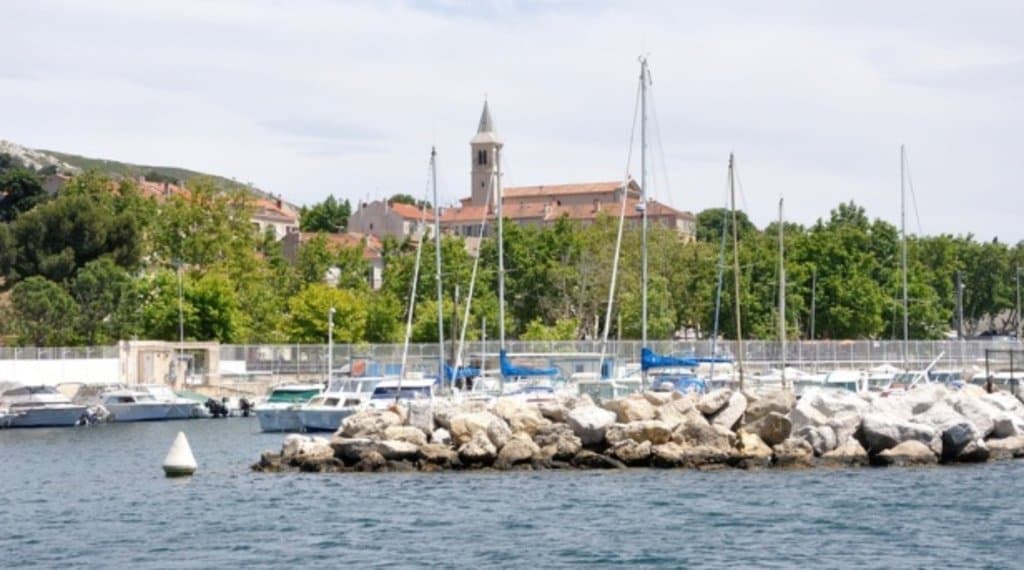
{"x":217,"y":409}
{"x":245,"y":406}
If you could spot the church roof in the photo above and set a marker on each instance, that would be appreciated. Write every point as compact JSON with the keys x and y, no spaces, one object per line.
{"x":564,"y":189}
{"x":485,"y":132}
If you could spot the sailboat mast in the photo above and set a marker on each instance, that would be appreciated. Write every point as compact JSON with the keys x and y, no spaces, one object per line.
{"x":736,"y":268}
{"x":643,"y":198}
{"x":501,"y":251}
{"x":903,"y":255}
{"x":437,"y":266}
{"x":782,"y":295}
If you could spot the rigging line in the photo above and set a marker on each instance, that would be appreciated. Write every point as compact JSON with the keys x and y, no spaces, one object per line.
{"x":739,"y":187}
{"x":661,"y":149}
{"x":622,"y":220}
{"x":412,"y":292}
{"x":721,"y":274}
{"x":913,"y":197}
{"x":457,"y":365}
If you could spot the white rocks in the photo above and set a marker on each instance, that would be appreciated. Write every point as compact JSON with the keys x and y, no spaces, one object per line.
{"x":409,"y":434}
{"x":519,"y":449}
{"x":884,"y":432}
{"x":654,"y":431}
{"x":527,"y":420}
{"x":773,"y":428}
{"x":1007,"y":425}
{"x":394,"y":450}
{"x":298,"y":446}
{"x":478,"y":450}
{"x":553,"y":411}
{"x":729,"y":415}
{"x":1007,"y":448}
{"x":822,"y":438}
{"x":793,"y":453}
{"x":466,"y":424}
{"x":632,"y":453}
{"x":368,"y":423}
{"x":442,"y":436}
{"x":633,"y":408}
{"x":907,"y":453}
{"x":589,"y":423}
{"x":421,"y":416}
{"x":750,"y":446}
{"x":558,"y":441}
{"x":981,"y":413}
{"x":1006,"y":402}
{"x":713,"y":401}
{"x":760,"y":404}
{"x":847,"y":454}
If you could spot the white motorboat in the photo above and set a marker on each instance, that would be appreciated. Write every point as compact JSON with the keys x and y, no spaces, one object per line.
{"x":40,"y":406}
{"x":280,"y":411}
{"x":341,"y":399}
{"x":140,"y":405}
{"x":405,"y":390}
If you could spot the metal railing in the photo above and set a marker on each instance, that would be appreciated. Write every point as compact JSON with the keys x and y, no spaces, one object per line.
{"x":57,"y":353}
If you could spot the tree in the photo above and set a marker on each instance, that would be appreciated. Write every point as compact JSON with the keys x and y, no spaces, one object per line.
{"x":327,"y":216}
{"x":711,"y":222}
{"x":307,"y":314}
{"x":563,"y":329}
{"x":209,"y":307}
{"x":20,"y":191}
{"x":44,"y":314}
{"x":107,"y":301}
{"x":206,"y":227}
{"x":408,"y":199}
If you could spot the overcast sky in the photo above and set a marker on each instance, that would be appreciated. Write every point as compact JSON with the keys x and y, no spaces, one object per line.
{"x":310,"y":98}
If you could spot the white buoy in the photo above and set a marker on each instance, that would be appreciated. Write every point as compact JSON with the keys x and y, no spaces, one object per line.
{"x":180,"y":462}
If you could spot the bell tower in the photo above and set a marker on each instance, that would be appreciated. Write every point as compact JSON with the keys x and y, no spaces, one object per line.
{"x":485,"y":148}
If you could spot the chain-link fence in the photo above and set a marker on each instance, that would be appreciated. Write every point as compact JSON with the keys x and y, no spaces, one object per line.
{"x":57,"y":353}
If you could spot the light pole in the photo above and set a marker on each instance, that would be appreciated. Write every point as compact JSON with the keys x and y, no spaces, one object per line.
{"x":330,"y":344}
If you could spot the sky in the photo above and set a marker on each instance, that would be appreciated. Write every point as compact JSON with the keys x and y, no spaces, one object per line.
{"x":307,"y":98}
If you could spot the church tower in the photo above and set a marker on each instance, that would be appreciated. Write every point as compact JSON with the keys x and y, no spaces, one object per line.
{"x":485,"y":147}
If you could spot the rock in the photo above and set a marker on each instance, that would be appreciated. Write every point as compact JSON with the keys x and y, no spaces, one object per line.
{"x":394,"y":450}
{"x":759,"y":405}
{"x":589,"y":423}
{"x":702,"y":434}
{"x":519,"y":449}
{"x":505,"y":407}
{"x":1007,"y":448}
{"x":658,"y":398}
{"x":441,"y":436}
{"x":527,"y":420}
{"x":270,"y":462}
{"x":368,"y":423}
{"x":821,"y":406}
{"x":421,"y":416}
{"x":793,"y":453}
{"x":499,"y":432}
{"x":976,"y":452}
{"x":941,"y":416}
{"x":591,"y":460}
{"x":773,"y":428}
{"x":1006,"y":402}
{"x":673,"y":454}
{"x":632,"y":453}
{"x":907,"y":453}
{"x":444,"y":411}
{"x":822,"y":438}
{"x":669,"y":454}
{"x":298,"y":447}
{"x":752,"y":450}
{"x":731,"y":413}
{"x":713,"y":401}
{"x":466,"y":424}
{"x":580,"y":401}
{"x":678,"y":411}
{"x":440,"y":455}
{"x":956,"y":438}
{"x":1007,"y":425}
{"x":884,"y":432}
{"x":654,"y":431}
{"x":558,"y":442}
{"x":553,"y":411}
{"x":981,"y":413}
{"x":806,"y":415}
{"x":351,"y":450}
{"x":408,"y":434}
{"x":633,"y":408}
{"x":371,"y":461}
{"x":922,"y":397}
{"x":478,"y":450}
{"x":849,"y":454}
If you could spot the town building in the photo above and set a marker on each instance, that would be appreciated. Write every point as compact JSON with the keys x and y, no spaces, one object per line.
{"x":370,"y":245}
{"x":545,"y":204}
{"x":383,"y":218}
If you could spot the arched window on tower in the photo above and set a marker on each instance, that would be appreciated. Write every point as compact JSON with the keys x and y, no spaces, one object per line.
{"x":481,"y":157}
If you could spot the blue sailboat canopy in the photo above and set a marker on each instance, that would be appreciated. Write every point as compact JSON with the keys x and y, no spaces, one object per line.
{"x":648,"y":360}
{"x":451,"y":373}
{"x":509,"y":369}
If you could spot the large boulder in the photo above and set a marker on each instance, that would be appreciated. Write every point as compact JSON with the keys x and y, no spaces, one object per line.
{"x":907,"y":453}
{"x":700,"y":433}
{"x":713,"y":401}
{"x":408,"y":434}
{"x":669,"y":454}
{"x":553,"y":410}
{"x":760,"y":404}
{"x":841,"y":410}
{"x":849,"y":454}
{"x":420,"y":415}
{"x":499,"y":432}
{"x":1007,"y":424}
{"x":956,"y":438}
{"x":980,"y":412}
{"x":1007,"y":448}
{"x":589,"y":423}
{"x":1006,"y":402}
{"x":772,"y":428}
{"x":527,"y":420}
{"x":394,"y":450}
{"x":466,"y":424}
{"x":678,"y":411}
{"x":922,"y":397}
{"x":654,"y":431}
{"x":751,"y":450}
{"x":822,"y":438}
{"x":369,"y":422}
{"x":633,"y":408}
{"x":519,"y":449}
{"x":478,"y":450}
{"x":941,"y":416}
{"x":884,"y":432}
{"x":658,"y":398}
{"x":558,"y":441}
{"x":439,"y":455}
{"x":590,"y":460}
{"x":441,"y":436}
{"x":351,"y":450}
{"x":300,"y":447}
{"x":794,"y":453}
{"x":505,"y":407}
{"x":730,"y":414}
{"x":632,"y":453}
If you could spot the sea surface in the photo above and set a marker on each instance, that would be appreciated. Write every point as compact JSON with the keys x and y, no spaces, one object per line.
{"x":96,"y":497}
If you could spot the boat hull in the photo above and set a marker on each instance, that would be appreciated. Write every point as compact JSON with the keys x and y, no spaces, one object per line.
{"x":327,"y":419}
{"x":64,"y":416}
{"x":146,"y":412}
{"x":279,"y":419}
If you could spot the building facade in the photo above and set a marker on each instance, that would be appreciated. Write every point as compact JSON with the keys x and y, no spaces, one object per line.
{"x":382,"y":218}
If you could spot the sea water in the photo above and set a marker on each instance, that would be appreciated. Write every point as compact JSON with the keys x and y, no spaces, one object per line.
{"x":96,"y":497}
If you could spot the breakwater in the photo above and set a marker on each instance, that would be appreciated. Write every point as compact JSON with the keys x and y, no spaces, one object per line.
{"x":926,"y":425}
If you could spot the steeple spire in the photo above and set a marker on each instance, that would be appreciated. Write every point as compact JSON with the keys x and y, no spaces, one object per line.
{"x":486,"y":124}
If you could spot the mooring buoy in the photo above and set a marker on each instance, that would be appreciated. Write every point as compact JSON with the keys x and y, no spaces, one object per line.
{"x":179,"y":461}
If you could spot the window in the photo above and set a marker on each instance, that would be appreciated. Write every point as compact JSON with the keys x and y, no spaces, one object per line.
{"x":481,"y":157}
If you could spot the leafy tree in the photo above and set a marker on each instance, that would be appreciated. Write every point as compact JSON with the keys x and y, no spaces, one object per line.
{"x":44,"y":314}
{"x":710,"y":223}
{"x":327,"y":216}
{"x":383,"y":318}
{"x":20,"y":191}
{"x":206,"y":227}
{"x":107,"y":301}
{"x":408,"y":199}
{"x":563,"y":329}
{"x":307,"y":314}
{"x":209,"y":307}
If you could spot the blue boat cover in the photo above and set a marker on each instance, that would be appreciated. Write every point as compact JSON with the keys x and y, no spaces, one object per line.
{"x":648,"y":360}
{"x":463,"y":372}
{"x":509,"y":369}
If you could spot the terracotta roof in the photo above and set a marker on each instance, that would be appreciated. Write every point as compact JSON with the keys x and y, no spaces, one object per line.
{"x":548,"y":211}
{"x":561,"y":189}
{"x":463,"y":214}
{"x":409,"y":212}
{"x":268,"y":209}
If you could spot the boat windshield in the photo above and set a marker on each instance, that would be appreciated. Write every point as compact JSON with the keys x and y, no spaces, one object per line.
{"x":382,"y":393}
{"x":291,"y":396}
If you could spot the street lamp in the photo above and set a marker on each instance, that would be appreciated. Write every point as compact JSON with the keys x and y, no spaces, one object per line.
{"x":330,"y":344}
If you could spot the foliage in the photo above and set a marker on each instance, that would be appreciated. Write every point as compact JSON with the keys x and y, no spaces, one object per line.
{"x":308,"y":313}
{"x":44,"y":314}
{"x":20,"y":191}
{"x":327,"y":216}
